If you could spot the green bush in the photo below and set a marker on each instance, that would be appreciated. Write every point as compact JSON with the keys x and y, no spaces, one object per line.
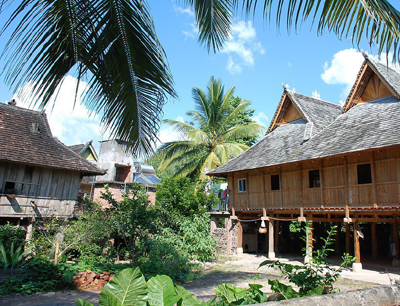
{"x":38,"y":275}
{"x":164,"y":258}
{"x":11,"y":234}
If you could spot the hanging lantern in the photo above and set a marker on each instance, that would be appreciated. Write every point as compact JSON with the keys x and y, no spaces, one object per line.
{"x":262,"y":229}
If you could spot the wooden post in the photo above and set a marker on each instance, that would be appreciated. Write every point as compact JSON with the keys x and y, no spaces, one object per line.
{"x":213,"y":224}
{"x":276,"y":233}
{"x":263,"y":189}
{"x":271,"y":250}
{"x":309,"y":246}
{"x":348,"y":246}
{"x":373,"y":176}
{"x":357,"y":264}
{"x":280,"y":187}
{"x":240,"y":239}
{"x":337,"y":238}
{"x":29,"y":232}
{"x":374,"y":241}
{"x":247,"y":190}
{"x":396,"y":236}
{"x":321,"y":184}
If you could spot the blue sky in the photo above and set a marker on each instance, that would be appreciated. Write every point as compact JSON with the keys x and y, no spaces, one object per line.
{"x":256,"y":60}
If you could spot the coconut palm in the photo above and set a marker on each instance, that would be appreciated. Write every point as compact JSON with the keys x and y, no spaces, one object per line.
{"x":211,"y":140}
{"x":113,"y":45}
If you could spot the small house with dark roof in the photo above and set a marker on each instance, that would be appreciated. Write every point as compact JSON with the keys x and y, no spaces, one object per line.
{"x":39,"y":175}
{"x":323,"y":163}
{"x":123,"y":170}
{"x":88,"y":152}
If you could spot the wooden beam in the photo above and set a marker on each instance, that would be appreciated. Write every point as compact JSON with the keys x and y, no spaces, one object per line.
{"x":374,"y":241}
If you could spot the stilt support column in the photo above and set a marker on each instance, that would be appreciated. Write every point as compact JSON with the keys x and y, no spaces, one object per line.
{"x":271,"y":250}
{"x":357,"y":266}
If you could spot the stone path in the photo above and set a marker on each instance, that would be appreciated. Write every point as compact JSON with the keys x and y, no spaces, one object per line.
{"x":240,"y":271}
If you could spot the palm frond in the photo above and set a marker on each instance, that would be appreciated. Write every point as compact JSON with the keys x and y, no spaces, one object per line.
{"x":234,"y":149}
{"x":213,"y":18}
{"x":111,"y":42}
{"x":180,"y":127}
{"x":243,"y":131}
{"x":376,"y":21}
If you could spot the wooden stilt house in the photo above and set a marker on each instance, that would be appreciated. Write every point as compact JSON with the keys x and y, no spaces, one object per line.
{"x":325,"y":163}
{"x":39,"y":175}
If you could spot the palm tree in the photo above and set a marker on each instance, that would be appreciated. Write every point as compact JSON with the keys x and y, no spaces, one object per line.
{"x":114,"y":46}
{"x":214,"y":140}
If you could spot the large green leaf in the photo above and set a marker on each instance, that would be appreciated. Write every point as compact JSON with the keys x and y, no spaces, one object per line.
{"x":287,"y":291}
{"x":128,"y":287}
{"x":188,"y":299}
{"x":230,"y":292}
{"x":162,"y":291}
{"x":81,"y":302}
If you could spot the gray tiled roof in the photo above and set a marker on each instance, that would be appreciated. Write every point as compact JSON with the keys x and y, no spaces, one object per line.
{"x":280,"y":145}
{"x":390,"y":75}
{"x":368,"y":125}
{"x":21,"y":143}
{"x":319,"y":112}
{"x":275,"y":148}
{"x":79,"y":148}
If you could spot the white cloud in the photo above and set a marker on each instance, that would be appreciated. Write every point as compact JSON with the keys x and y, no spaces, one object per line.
{"x":261,"y":118}
{"x":344,"y":67}
{"x":241,"y":47}
{"x":168,"y":134}
{"x":192,"y":33}
{"x":232,"y":67}
{"x":182,"y":11}
{"x":71,"y":124}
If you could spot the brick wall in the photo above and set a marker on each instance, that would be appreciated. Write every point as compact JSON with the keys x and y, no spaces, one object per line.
{"x":226,"y":237}
{"x":117,"y":191}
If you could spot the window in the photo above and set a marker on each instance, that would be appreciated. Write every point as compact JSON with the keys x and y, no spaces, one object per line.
{"x":242,"y":185}
{"x":122,"y":173}
{"x":9,"y":188}
{"x":313,"y":177}
{"x":364,"y":174}
{"x":275,"y":182}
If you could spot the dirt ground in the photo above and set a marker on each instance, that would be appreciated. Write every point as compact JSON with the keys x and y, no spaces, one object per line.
{"x":238,"y":270}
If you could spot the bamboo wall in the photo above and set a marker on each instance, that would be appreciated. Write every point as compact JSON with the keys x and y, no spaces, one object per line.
{"x":338,"y":183}
{"x":53,"y":191}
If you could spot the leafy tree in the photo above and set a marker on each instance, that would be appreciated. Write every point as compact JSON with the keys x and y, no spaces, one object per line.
{"x":212,"y":139}
{"x":132,"y":219}
{"x":113,"y":44}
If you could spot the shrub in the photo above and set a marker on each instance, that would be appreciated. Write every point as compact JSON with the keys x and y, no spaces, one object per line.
{"x":12,"y":234}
